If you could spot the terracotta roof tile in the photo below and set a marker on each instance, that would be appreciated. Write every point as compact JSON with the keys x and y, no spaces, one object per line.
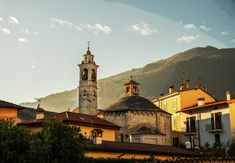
{"x":196,"y":107}
{"x":75,"y":118}
{"x":4,"y":104}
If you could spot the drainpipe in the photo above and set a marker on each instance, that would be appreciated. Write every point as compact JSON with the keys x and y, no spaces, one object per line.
{"x":199,"y":134}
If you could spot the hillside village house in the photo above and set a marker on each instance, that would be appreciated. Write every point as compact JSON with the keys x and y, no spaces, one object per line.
{"x":9,"y":111}
{"x":176,"y":100}
{"x":210,"y":123}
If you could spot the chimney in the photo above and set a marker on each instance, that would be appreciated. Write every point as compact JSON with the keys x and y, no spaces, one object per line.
{"x":228,"y":95}
{"x":187,"y":85}
{"x":97,"y":135}
{"x":101,"y":114}
{"x":40,"y":113}
{"x":182,"y":86}
{"x":201,"y":101}
{"x":171,"y":89}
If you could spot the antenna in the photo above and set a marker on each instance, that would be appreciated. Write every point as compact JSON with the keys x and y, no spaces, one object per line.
{"x":39,"y":101}
{"x":199,"y":82}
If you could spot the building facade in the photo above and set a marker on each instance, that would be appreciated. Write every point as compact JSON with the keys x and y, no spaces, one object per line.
{"x":140,"y":120}
{"x":9,"y":111}
{"x":210,"y":124}
{"x":175,"y":100}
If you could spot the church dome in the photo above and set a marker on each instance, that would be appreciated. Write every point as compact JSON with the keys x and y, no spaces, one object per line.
{"x":133,"y":103}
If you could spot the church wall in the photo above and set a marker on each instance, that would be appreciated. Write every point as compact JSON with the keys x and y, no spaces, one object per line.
{"x":149,"y":139}
{"x":164,"y":126}
{"x":137,"y":118}
{"x":120,"y":120}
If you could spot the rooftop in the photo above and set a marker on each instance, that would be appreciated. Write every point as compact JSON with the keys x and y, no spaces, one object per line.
{"x":134,"y":103}
{"x":140,"y":148}
{"x":209,"y":104}
{"x":74,"y":118}
{"x":4,"y":104}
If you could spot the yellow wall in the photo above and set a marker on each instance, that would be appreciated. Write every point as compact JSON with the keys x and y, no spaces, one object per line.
{"x":232,"y":118}
{"x":190,"y":97}
{"x":8,"y":113}
{"x":169,"y":102}
{"x":108,"y":134}
{"x":184,"y":99}
{"x":100,"y":154}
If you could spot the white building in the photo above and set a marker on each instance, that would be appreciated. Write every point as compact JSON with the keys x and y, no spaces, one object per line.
{"x":211,"y":123}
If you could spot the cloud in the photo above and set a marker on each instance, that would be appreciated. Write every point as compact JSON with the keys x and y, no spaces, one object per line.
{"x":187,"y":38}
{"x":189,"y":26}
{"x":29,"y":32}
{"x":224,"y":33}
{"x":99,"y":28}
{"x":32,"y":66}
{"x":5,"y":30}
{"x":143,"y":29}
{"x":233,"y":40}
{"x":25,"y":31}
{"x":13,"y":20}
{"x":22,"y":39}
{"x":60,"y":22}
{"x":1,"y":20}
{"x":205,"y":28}
{"x":35,"y":33}
{"x":78,"y":28}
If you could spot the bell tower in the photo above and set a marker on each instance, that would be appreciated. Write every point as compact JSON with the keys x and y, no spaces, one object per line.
{"x":132,"y":88}
{"x":88,"y":84}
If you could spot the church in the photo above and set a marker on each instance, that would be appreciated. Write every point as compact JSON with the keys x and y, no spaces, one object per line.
{"x":140,"y":120}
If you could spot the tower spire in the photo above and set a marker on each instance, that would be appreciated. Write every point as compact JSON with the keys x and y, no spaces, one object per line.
{"x":88,"y":47}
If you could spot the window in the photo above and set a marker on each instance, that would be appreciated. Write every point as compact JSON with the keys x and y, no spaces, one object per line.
{"x":191,"y":124}
{"x":216,"y":121}
{"x":174,"y":123}
{"x":93,"y":75}
{"x":174,"y":104}
{"x":176,"y":142}
{"x":85,"y":74}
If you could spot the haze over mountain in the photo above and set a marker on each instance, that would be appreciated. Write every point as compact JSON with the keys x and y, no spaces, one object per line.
{"x":212,"y":67}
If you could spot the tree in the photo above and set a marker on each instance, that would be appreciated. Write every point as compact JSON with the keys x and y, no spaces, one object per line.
{"x":14,"y":142}
{"x":58,"y":142}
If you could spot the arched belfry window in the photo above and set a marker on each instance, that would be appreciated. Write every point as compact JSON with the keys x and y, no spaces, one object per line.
{"x":93,"y":76}
{"x":84,"y":74}
{"x":127,"y":89}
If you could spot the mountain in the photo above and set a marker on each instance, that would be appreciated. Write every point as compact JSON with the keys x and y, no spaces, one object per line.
{"x":212,"y":67}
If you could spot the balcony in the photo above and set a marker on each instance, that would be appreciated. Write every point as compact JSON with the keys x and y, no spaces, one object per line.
{"x":216,"y":130}
{"x":191,"y":133}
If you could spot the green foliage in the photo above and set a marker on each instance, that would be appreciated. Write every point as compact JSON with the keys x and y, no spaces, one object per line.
{"x":55,"y":143}
{"x":14,"y":142}
{"x":58,"y":142}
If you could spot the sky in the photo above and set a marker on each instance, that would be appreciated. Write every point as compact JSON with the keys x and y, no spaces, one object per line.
{"x":41,"y":42}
